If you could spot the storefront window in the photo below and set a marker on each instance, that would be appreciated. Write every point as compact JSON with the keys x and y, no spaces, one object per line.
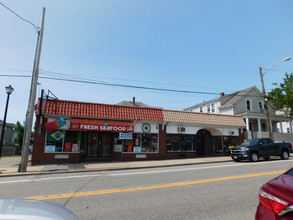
{"x":141,"y":143}
{"x":230,"y":141}
{"x":149,"y":143}
{"x":63,"y":141}
{"x":218,"y":144}
{"x":180,"y":143}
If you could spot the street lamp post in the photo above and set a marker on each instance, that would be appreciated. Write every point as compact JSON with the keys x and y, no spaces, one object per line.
{"x":9,"y":90}
{"x":264,"y":95}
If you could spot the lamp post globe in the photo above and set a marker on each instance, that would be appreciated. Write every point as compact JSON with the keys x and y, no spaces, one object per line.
{"x":9,"y":89}
{"x":287,"y":59}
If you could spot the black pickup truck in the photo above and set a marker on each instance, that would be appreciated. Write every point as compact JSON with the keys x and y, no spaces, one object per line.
{"x":253,"y":149}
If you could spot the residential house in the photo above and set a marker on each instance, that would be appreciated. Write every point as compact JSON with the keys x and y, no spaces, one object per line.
{"x":8,"y":147}
{"x":133,"y":103}
{"x":285,"y":126}
{"x":249,"y":104}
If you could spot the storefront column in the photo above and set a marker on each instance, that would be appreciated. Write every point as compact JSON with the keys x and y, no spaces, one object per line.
{"x":39,"y":141}
{"x":162,"y":139}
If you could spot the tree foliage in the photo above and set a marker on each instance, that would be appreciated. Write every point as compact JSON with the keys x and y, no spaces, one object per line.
{"x":282,"y":97}
{"x":19,"y":129}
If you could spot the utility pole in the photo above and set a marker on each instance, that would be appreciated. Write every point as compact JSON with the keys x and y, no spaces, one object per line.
{"x":266,"y":104}
{"x":268,"y":121}
{"x":32,"y":98}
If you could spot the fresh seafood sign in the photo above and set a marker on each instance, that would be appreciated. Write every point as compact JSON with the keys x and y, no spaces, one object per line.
{"x":101,"y":125}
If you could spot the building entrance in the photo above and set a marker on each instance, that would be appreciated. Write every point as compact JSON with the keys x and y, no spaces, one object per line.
{"x":204,"y":146}
{"x":99,"y":145}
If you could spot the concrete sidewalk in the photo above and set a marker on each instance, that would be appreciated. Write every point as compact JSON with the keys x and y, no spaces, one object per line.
{"x":9,"y":165}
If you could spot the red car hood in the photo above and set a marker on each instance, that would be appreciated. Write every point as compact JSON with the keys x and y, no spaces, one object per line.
{"x":281,"y":187}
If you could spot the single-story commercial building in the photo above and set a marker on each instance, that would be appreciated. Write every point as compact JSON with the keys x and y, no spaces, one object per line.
{"x":72,"y":131}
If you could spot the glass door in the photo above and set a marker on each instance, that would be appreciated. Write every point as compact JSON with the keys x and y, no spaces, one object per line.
{"x":100,"y":145}
{"x":93,"y":142}
{"x":106,"y":145}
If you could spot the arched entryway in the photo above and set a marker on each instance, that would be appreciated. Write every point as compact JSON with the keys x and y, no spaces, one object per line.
{"x":204,"y":146}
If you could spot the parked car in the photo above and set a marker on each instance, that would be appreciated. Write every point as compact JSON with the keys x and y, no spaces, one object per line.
{"x":263,"y":147}
{"x":23,"y":209}
{"x":276,"y":198}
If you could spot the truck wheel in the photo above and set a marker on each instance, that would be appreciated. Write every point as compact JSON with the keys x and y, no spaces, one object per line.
{"x":266,"y":158}
{"x":254,"y":157}
{"x":285,"y":155}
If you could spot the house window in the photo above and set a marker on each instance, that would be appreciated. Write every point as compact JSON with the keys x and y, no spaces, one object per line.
{"x":208,"y":109}
{"x":288,"y":130}
{"x":213,"y":108}
{"x":248,"y":105}
{"x":200,"y":109}
{"x":260,"y":106}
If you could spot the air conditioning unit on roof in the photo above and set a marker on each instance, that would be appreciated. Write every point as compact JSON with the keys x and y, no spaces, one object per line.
{"x":181,"y":129}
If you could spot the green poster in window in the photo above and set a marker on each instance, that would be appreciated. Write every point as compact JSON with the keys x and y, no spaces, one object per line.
{"x":55,"y":136}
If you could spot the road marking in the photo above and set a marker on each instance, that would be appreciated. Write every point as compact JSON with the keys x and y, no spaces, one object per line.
{"x":131,"y":189}
{"x":139,"y":173}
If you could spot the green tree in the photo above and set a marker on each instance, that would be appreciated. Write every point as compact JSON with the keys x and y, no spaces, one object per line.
{"x":282,"y":97}
{"x":19,"y":133}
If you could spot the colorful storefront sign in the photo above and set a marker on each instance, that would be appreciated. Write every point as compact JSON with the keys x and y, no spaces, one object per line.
{"x":101,"y":125}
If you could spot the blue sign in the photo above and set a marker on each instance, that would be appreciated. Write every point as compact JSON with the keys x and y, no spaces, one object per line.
{"x":125,"y":136}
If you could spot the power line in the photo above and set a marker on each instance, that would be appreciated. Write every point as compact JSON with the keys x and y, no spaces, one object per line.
{"x":15,"y":70}
{"x":141,"y":87}
{"x":35,"y":26}
{"x":15,"y":76}
{"x":130,"y":86}
{"x":45,"y":72}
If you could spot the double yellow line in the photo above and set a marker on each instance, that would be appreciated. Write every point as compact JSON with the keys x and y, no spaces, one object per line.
{"x":101,"y":192}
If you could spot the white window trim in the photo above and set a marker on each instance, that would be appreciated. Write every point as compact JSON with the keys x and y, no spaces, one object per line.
{"x":249,"y":103}
{"x":200,"y":109}
{"x":213,"y":110}
{"x":262,"y":106}
{"x":208,"y":108}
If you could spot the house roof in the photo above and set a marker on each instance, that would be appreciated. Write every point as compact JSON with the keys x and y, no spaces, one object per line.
{"x":103,"y":111}
{"x":201,"y":104}
{"x":130,"y":103}
{"x":106,"y":111}
{"x":203,"y":118}
{"x":235,"y":97}
{"x":8,"y":124}
{"x":229,"y":99}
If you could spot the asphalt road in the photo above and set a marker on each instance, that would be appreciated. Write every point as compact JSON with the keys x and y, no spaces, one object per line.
{"x":207,"y":191}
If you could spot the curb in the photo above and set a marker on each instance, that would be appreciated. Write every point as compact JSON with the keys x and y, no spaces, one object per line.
{"x":104,"y":169}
